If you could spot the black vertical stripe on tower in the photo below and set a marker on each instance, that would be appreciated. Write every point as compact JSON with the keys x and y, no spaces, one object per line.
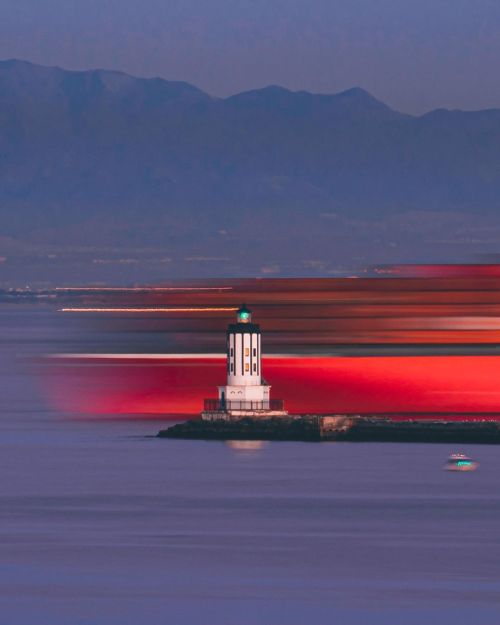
{"x":251,"y":354}
{"x":258,"y":354}
{"x":242,"y":353}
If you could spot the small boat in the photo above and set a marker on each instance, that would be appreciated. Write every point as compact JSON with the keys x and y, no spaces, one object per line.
{"x":460,"y":462}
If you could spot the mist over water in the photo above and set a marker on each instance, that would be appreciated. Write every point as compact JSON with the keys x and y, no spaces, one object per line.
{"x":102,"y":523}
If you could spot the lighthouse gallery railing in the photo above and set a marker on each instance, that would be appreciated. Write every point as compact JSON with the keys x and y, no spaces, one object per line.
{"x":214,"y":405}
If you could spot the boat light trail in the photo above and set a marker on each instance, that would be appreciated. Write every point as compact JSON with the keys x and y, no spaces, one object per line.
{"x":147,"y":310}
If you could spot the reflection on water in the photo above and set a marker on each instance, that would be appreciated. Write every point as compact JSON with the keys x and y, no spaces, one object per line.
{"x":246,"y":446}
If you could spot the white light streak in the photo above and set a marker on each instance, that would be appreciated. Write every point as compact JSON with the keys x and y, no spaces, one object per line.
{"x":147,"y":310}
{"x":160,"y":289}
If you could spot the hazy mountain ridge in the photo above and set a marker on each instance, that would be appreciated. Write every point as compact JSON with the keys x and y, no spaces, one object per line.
{"x":155,"y":160}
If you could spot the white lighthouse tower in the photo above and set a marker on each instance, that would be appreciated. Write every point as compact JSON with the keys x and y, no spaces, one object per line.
{"x":246,"y":393}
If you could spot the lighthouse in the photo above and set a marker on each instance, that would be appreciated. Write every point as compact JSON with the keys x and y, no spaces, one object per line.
{"x":245,"y":393}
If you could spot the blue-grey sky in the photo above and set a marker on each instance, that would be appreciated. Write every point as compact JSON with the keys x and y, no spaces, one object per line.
{"x":413,"y":54}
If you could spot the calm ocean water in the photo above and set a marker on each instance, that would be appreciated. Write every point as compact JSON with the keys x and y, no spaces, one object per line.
{"x":102,"y":524}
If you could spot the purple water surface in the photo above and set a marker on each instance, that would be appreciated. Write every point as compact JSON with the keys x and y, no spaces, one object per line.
{"x":102,"y":524}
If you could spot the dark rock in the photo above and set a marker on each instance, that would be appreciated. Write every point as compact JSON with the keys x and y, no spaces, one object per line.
{"x":349,"y":429}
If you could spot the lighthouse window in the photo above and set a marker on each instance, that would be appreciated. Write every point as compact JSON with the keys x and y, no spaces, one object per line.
{"x":254,"y":367}
{"x":254,"y":352}
{"x":247,"y":367}
{"x":247,"y":351}
{"x":231,"y":367}
{"x":231,"y":351}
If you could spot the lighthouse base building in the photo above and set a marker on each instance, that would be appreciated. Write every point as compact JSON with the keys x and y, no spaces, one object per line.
{"x":246,"y":393}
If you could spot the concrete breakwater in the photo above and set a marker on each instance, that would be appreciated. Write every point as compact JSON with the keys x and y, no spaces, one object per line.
{"x":338,"y":428}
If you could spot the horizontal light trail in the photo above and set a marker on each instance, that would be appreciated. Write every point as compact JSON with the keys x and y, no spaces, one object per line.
{"x":136,"y":356}
{"x":144,"y":356}
{"x":146,"y":310}
{"x":144,"y":288}
{"x":174,"y":384}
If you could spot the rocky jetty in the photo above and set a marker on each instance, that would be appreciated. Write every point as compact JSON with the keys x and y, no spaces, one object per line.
{"x":338,"y":428}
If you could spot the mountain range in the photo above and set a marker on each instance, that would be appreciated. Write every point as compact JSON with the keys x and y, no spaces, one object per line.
{"x":99,"y":160}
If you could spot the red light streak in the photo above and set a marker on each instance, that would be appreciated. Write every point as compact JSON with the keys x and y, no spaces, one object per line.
{"x":428,"y":385}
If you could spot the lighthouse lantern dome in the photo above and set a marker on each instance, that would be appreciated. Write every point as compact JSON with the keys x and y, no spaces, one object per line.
{"x":244,"y":315}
